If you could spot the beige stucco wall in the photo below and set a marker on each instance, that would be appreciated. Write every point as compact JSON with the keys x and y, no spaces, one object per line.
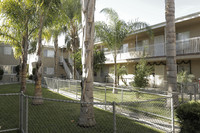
{"x":195,"y":68}
{"x":8,"y":60}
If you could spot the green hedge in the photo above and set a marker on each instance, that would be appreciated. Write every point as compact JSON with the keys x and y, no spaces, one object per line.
{"x":189,"y":117}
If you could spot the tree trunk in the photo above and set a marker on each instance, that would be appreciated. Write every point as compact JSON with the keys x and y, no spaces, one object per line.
{"x":24,"y":63}
{"x":115,"y":73}
{"x":87,"y":118}
{"x":24,"y":58}
{"x":38,"y":80}
{"x":55,"y":55}
{"x":171,"y":66}
{"x":74,"y":68}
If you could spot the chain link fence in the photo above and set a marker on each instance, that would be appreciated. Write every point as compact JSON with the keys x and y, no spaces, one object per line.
{"x":9,"y":112}
{"x":56,"y":115}
{"x":156,"y":113}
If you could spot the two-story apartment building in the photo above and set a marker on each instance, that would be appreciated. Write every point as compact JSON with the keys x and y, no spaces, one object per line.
{"x":64,"y":62}
{"x":8,"y":63}
{"x":187,"y":51}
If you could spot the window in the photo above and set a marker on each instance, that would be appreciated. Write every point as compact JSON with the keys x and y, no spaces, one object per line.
{"x":48,"y":53}
{"x":8,"y":69}
{"x":183,"y":67}
{"x":183,"y":35}
{"x":140,"y":45}
{"x":124,"y":48}
{"x":49,"y":70}
{"x":7,"y":50}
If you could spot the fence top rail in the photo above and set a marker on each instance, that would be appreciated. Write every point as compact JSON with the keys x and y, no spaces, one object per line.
{"x":70,"y":101}
{"x":10,"y":94}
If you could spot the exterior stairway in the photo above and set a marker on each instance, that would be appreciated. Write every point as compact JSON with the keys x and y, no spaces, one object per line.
{"x":68,"y":66}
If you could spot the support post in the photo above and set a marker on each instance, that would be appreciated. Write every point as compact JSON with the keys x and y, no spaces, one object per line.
{"x":182,"y":99}
{"x":105,"y":97}
{"x":172,"y":113}
{"x":114,"y":118}
{"x":26,"y":116}
{"x":57,"y":85}
{"x":122,"y":95}
{"x":21,"y":112}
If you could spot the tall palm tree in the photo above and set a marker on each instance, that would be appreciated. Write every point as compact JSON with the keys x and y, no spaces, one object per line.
{"x":17,"y":27}
{"x":171,"y":67}
{"x":87,"y":118}
{"x":72,"y":27}
{"x":46,"y":12}
{"x":114,"y":33}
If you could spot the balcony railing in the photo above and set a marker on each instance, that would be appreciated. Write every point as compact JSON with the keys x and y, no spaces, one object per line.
{"x":188,"y":46}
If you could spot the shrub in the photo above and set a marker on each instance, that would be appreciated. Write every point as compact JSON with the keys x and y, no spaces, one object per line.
{"x":189,"y":117}
{"x":1,"y":73}
{"x":30,"y":77}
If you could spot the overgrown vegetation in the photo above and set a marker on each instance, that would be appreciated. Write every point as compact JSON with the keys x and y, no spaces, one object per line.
{"x":189,"y":117}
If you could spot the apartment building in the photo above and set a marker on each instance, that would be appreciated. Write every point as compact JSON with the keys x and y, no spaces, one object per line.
{"x":8,"y":63}
{"x":187,"y":51}
{"x":64,"y":63}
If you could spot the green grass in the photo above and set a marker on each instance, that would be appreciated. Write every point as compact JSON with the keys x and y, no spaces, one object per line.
{"x":121,"y":96}
{"x":59,"y":117}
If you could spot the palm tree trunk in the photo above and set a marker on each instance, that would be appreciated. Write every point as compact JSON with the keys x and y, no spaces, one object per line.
{"x":115,"y":73}
{"x":38,"y":80}
{"x":24,"y":64}
{"x":87,"y":118}
{"x":24,"y":58}
{"x":74,"y":68}
{"x":171,"y":66}
{"x":55,"y":55}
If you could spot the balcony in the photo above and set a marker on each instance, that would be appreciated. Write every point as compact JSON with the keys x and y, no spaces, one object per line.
{"x":183,"y":47}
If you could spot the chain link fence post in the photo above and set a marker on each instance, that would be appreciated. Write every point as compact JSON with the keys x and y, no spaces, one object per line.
{"x":114,"y":117}
{"x":122,"y":95}
{"x":21,"y":112}
{"x":26,"y":115}
{"x":105,"y":98}
{"x":172,"y":113}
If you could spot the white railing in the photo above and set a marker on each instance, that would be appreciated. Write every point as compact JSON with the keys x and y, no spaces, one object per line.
{"x":72,"y":64}
{"x":188,"y":46}
{"x":67,"y":70}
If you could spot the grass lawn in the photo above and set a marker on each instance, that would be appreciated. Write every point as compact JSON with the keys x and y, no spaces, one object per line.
{"x":121,"y":96}
{"x":59,"y":117}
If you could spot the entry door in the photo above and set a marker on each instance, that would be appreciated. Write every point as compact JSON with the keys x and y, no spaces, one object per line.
{"x":159,"y":45}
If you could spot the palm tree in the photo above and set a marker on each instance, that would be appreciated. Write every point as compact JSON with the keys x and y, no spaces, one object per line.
{"x":171,"y":49}
{"x":46,"y":12}
{"x":114,"y":33}
{"x":17,"y":29}
{"x":87,"y":118}
{"x":73,"y":18}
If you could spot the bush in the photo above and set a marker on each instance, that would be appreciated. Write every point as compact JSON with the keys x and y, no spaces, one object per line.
{"x":189,"y":117}
{"x":1,"y":73}
{"x":30,"y":77}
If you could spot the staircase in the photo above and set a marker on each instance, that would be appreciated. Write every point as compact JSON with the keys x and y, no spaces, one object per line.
{"x":67,"y":64}
{"x":67,"y":69}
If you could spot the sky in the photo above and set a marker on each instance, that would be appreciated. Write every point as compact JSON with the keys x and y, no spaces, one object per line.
{"x":149,"y":11}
